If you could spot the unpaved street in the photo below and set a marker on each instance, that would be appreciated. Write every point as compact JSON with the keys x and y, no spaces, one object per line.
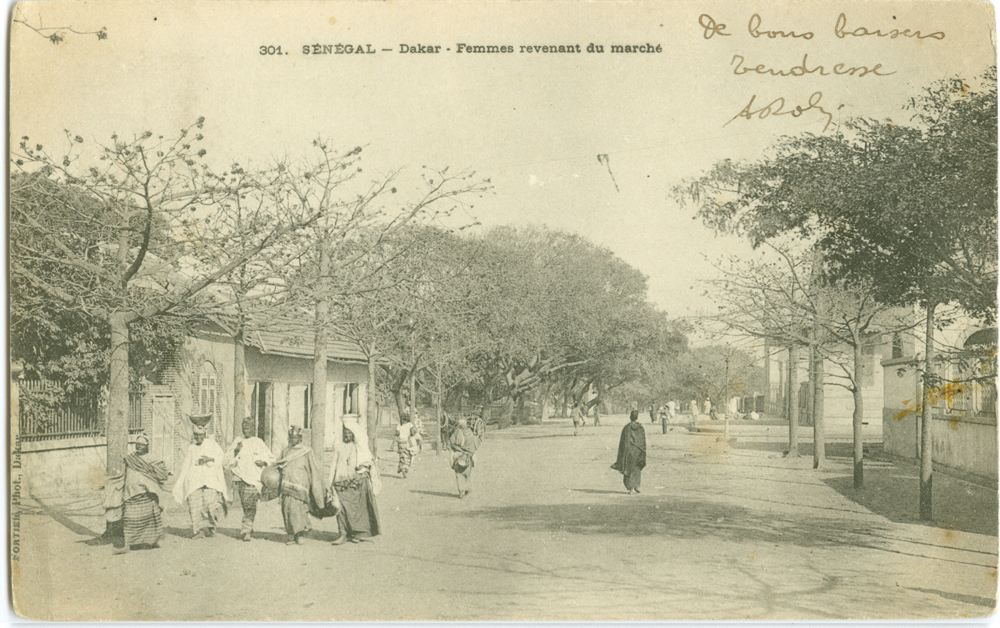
{"x":549,"y":533}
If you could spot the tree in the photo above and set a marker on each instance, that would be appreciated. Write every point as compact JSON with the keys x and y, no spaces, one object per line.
{"x":100,"y":232}
{"x":357,"y":217}
{"x":909,"y":209}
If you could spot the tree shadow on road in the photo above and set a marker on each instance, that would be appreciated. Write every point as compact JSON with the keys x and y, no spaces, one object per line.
{"x":453,"y":495}
{"x":896,"y":496}
{"x":236,"y":534}
{"x":685,"y":520}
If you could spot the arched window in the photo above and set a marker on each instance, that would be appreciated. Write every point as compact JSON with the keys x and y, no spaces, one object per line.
{"x":205,"y":393}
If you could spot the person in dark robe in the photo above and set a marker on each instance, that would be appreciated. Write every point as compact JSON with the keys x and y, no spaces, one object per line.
{"x":631,"y":453}
{"x":355,"y":482}
{"x":301,"y":487}
{"x":143,"y":515}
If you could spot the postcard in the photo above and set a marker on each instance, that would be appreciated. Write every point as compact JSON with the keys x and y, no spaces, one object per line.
{"x":502,"y":311}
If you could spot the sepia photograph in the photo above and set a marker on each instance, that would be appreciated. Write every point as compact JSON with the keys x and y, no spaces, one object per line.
{"x":480,"y":311}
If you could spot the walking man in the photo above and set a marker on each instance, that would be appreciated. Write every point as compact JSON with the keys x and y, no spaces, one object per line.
{"x":247,"y":457}
{"x":631,"y":453}
{"x":201,"y":483}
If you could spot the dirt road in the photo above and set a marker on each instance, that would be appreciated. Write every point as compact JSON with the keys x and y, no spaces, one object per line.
{"x":548,"y":532}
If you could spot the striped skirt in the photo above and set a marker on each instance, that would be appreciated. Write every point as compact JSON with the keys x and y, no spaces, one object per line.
{"x":143,"y":520}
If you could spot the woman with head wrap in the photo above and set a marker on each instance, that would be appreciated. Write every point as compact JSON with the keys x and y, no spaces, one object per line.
{"x":301,"y":486}
{"x":201,"y":483}
{"x":631,"y":453}
{"x":144,"y":478}
{"x":354,"y":479}
{"x":463,"y":455}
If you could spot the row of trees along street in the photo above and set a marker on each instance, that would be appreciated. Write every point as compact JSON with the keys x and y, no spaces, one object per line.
{"x":119,"y":250}
{"x":858,"y":226}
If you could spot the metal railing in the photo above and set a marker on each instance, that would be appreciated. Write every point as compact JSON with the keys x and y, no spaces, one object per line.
{"x":45,"y":412}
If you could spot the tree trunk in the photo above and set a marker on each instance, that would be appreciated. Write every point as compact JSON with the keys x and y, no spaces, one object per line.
{"x":397,"y":394}
{"x":372,"y":414}
{"x":544,"y":394}
{"x":317,"y":415}
{"x":118,"y":402}
{"x":438,"y":412}
{"x":859,"y":416}
{"x":926,"y":442}
{"x":239,"y":385}
{"x":413,"y":390}
{"x":819,"y":434}
{"x":767,"y":380}
{"x":793,"y":401}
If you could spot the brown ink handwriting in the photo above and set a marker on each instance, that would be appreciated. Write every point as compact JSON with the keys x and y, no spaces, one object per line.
{"x":711,"y":27}
{"x":803,"y":69}
{"x":777,"y":108}
{"x":753,"y":26}
{"x":841,"y":31}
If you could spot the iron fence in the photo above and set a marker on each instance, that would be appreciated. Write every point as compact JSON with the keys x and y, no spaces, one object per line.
{"x":47,"y":412}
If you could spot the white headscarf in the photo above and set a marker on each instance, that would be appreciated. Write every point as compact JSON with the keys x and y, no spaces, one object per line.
{"x":360,"y":439}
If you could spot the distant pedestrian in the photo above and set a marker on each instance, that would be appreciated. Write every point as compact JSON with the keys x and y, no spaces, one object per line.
{"x":247,"y":457}
{"x":201,"y":483}
{"x":301,"y":487}
{"x":693,"y":407}
{"x":652,"y":413}
{"x":354,"y":479}
{"x":597,"y":417}
{"x":406,"y":444}
{"x":143,"y":515}
{"x":463,"y":455}
{"x":578,"y":421}
{"x":419,"y":432}
{"x":631,"y":453}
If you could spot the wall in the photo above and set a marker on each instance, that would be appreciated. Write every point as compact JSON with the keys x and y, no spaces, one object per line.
{"x":284,"y":373}
{"x":215,"y":349}
{"x":838,"y":401}
{"x":965,"y":443}
{"x":61,"y":468}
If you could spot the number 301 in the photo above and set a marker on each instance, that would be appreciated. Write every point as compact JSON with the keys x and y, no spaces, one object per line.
{"x":270,"y":50}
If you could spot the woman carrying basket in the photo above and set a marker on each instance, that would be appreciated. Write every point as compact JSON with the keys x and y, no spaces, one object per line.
{"x":463,"y":455}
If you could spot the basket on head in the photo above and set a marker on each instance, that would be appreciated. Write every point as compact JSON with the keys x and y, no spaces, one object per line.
{"x":201,"y":420}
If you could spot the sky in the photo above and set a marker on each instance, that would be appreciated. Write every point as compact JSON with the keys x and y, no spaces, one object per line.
{"x":534,"y":123}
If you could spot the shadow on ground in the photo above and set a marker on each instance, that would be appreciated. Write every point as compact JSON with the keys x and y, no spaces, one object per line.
{"x":452,"y":495}
{"x":873,"y":451}
{"x":685,"y":520}
{"x":956,"y":505}
{"x":235,"y":534}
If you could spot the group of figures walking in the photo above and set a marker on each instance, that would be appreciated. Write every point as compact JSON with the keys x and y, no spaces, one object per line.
{"x":462,"y":444}
{"x":580,"y":417}
{"x":135,"y":515}
{"x":132,"y":500}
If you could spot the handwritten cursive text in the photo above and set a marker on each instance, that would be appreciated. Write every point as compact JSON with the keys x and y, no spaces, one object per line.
{"x":777,"y":108}
{"x":803,"y":69}
{"x":841,"y":31}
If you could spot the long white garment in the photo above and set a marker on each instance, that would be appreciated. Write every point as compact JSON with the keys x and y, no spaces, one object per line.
{"x":194,"y":476}
{"x":244,"y":464}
